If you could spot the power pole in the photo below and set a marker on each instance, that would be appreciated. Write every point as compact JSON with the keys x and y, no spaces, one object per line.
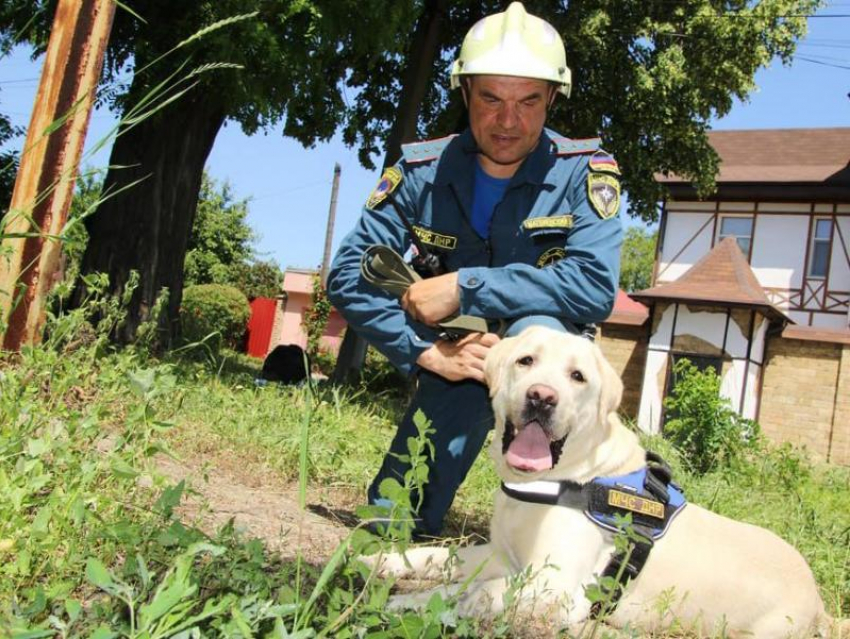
{"x":329,"y":232}
{"x":44,"y":186}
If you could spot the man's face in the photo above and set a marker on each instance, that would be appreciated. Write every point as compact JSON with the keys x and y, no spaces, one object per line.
{"x":506,"y":115}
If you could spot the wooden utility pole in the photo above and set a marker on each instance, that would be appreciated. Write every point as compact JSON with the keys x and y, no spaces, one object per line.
{"x":30,"y":250}
{"x":329,"y":232}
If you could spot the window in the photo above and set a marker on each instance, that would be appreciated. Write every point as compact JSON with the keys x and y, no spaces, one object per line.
{"x":819,"y":250}
{"x":739,"y":227}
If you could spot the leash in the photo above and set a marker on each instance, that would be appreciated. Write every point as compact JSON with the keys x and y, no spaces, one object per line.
{"x":386,"y":269}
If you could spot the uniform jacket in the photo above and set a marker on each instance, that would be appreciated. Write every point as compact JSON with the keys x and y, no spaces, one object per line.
{"x":549,"y":252}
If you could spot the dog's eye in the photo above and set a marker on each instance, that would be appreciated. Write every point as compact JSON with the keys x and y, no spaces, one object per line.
{"x":578,"y":377}
{"x":528,"y":360}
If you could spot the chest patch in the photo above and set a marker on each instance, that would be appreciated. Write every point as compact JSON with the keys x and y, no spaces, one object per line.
{"x":550,"y":256}
{"x":552,"y":222}
{"x":437,"y":240}
{"x":603,"y":191}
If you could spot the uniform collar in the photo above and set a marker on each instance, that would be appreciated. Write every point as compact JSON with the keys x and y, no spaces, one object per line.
{"x":456,"y":165}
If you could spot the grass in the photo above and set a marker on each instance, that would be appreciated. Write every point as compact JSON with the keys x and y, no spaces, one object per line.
{"x":90,"y":544}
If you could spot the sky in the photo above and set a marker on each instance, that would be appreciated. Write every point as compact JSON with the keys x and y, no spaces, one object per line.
{"x":289,"y":187}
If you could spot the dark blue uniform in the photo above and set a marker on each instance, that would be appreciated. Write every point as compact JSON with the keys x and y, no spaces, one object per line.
{"x":553,"y":251}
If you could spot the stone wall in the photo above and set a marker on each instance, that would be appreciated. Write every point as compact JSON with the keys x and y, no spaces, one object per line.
{"x":805,"y":397}
{"x":624,"y":347}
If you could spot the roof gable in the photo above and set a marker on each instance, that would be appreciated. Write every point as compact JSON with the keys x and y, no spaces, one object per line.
{"x":723,"y":276}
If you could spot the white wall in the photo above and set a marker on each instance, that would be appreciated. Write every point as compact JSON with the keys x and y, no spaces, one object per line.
{"x":839,"y":271}
{"x":779,"y":250}
{"x":680,"y":229}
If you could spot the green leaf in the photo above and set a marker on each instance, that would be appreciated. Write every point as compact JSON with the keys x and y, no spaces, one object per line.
{"x":103,"y":632}
{"x":141,"y":380}
{"x":170,"y":499}
{"x":99,"y":575}
{"x":121,"y":468}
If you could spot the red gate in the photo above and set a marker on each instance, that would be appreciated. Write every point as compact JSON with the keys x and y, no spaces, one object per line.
{"x":260,"y":326}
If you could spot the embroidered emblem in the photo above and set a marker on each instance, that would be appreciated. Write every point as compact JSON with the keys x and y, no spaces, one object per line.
{"x":389,"y":181}
{"x":553,"y":222}
{"x":636,"y":504}
{"x":429,"y":237}
{"x":602,"y":161}
{"x":603,"y":191}
{"x":550,"y":256}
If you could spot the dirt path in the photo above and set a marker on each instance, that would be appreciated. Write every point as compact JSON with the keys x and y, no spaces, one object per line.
{"x":259,"y":512}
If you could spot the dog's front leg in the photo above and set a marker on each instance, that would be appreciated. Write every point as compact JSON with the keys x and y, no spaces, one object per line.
{"x":442,"y":563}
{"x":422,"y":563}
{"x":478,"y":598}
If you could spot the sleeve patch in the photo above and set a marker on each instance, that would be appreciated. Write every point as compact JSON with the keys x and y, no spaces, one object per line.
{"x":389,"y":181}
{"x":603,"y":192}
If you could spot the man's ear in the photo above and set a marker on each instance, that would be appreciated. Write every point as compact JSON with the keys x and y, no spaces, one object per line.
{"x":494,"y":368}
{"x":611,"y":392}
{"x":465,"y":84}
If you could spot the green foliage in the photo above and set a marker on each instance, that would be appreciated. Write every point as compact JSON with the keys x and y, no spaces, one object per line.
{"x":257,"y":278}
{"x":316,"y":318}
{"x":220,"y":239}
{"x":637,"y":258}
{"x":214,"y":310}
{"x":702,"y":424}
{"x":8,"y":162}
{"x":650,"y":77}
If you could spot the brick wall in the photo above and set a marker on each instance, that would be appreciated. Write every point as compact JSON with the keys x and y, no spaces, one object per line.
{"x":798,"y":401}
{"x":625,"y":348}
{"x":840,"y":452}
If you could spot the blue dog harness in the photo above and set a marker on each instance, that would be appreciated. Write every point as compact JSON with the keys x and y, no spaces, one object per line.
{"x":648,"y":495}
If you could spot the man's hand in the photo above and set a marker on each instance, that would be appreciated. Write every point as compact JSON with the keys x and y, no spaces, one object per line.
{"x":432,"y":300}
{"x":463,"y":359}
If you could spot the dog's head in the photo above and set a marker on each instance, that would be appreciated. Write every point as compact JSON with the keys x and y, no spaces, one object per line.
{"x":554,"y":396}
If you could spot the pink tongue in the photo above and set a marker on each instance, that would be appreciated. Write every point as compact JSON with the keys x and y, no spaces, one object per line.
{"x":530,"y":449}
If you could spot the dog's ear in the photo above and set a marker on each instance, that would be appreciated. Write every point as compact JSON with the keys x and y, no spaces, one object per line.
{"x":494,"y":369}
{"x":612,"y":386}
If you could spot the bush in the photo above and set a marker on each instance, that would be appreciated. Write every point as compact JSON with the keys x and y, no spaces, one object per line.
{"x":702,"y":424}
{"x":214,"y":309}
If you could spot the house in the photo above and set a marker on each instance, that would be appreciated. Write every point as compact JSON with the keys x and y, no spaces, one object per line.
{"x":286,"y":316}
{"x":754,"y":282}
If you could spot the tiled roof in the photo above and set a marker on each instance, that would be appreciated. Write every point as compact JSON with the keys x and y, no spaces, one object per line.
{"x":721,"y":277}
{"x":780,"y":155}
{"x":628,"y":311}
{"x":816,"y":334}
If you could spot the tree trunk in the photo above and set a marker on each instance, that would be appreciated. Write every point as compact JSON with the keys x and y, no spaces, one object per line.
{"x":417,"y":75}
{"x":146,"y":228}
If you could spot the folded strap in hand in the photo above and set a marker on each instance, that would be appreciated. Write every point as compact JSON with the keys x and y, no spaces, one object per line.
{"x":387,"y":270}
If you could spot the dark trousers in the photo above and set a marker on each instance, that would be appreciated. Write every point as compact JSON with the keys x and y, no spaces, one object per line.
{"x":461,"y":416}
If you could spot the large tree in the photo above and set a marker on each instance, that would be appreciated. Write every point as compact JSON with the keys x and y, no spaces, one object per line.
{"x":293,"y":57}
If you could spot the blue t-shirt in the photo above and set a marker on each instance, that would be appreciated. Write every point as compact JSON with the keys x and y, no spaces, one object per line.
{"x":486,"y":194}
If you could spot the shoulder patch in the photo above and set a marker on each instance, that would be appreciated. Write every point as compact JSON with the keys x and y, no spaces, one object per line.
{"x":389,"y":181}
{"x":425,"y":150}
{"x":567,"y":146}
{"x":603,"y":193}
{"x":604,"y":162}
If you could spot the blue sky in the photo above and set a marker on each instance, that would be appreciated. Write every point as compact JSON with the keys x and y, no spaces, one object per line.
{"x":290,"y":187}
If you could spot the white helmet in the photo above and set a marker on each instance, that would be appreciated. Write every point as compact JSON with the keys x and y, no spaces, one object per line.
{"x":517,"y":44}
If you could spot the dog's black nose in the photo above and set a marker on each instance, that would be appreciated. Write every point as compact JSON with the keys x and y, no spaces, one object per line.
{"x":542,"y":396}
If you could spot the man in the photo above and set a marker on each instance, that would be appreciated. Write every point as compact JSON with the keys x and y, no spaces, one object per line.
{"x":524,"y":221}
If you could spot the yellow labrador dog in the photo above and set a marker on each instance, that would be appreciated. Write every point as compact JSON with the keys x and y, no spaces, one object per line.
{"x":555,"y":399}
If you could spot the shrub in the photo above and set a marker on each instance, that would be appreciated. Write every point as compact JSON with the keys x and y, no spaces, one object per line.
{"x":702,"y":424}
{"x":214,"y":309}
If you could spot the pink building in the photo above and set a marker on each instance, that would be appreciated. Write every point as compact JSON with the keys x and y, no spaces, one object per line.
{"x":292,"y":309}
